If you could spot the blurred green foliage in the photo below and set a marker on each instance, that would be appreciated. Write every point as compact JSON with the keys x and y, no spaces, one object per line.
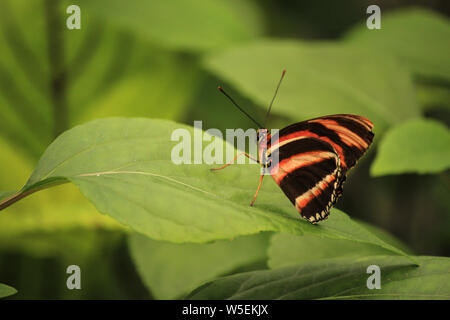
{"x":417,"y":37}
{"x":430,"y":150}
{"x":323,"y":78}
{"x":164,"y":59}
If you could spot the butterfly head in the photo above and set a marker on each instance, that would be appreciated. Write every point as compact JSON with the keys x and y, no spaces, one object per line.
{"x":261,"y":136}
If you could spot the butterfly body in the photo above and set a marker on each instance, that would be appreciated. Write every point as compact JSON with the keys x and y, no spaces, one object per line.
{"x":313,"y":159}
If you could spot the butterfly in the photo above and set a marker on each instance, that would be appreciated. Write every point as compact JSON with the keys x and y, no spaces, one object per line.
{"x":313,"y":157}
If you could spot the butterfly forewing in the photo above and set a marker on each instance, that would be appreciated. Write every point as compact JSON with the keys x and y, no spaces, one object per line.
{"x":314,"y":156}
{"x":349,"y":135}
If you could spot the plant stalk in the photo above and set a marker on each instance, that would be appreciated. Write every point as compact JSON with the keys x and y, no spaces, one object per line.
{"x":58,"y":72}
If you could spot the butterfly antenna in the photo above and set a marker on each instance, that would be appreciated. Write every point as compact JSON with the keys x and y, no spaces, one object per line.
{"x":237,"y":106}
{"x":273,"y":99}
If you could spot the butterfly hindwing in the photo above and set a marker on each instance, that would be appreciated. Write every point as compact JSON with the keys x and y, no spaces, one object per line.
{"x":309,"y":173}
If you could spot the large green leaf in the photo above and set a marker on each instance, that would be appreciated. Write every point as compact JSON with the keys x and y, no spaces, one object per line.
{"x":418,"y":37}
{"x":6,"y":291}
{"x":124,"y":167}
{"x":421,"y":146}
{"x":288,"y":249}
{"x":341,"y":278}
{"x":387,"y":237}
{"x":170,"y":270}
{"x":182,"y":24}
{"x":321,"y":78}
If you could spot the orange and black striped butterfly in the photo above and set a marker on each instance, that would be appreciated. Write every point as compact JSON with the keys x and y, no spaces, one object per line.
{"x":313,"y":158}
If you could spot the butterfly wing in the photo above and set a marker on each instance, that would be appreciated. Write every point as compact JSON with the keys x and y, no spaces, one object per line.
{"x":350,"y":135}
{"x":314,"y":156}
{"x":309,"y":173}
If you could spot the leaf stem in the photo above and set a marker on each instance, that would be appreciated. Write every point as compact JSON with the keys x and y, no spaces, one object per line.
{"x":6,"y":202}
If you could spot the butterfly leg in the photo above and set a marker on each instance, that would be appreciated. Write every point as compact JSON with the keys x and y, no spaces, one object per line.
{"x":257,"y":190}
{"x":228,"y":164}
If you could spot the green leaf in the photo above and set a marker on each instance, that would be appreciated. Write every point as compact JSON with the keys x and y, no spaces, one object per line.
{"x":386,"y":237}
{"x":341,"y":278}
{"x":321,"y":78}
{"x":124,"y":167}
{"x":6,"y":291}
{"x":182,"y":24}
{"x":420,"y":146}
{"x":170,"y":270}
{"x":287,"y":249}
{"x":417,"y":37}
